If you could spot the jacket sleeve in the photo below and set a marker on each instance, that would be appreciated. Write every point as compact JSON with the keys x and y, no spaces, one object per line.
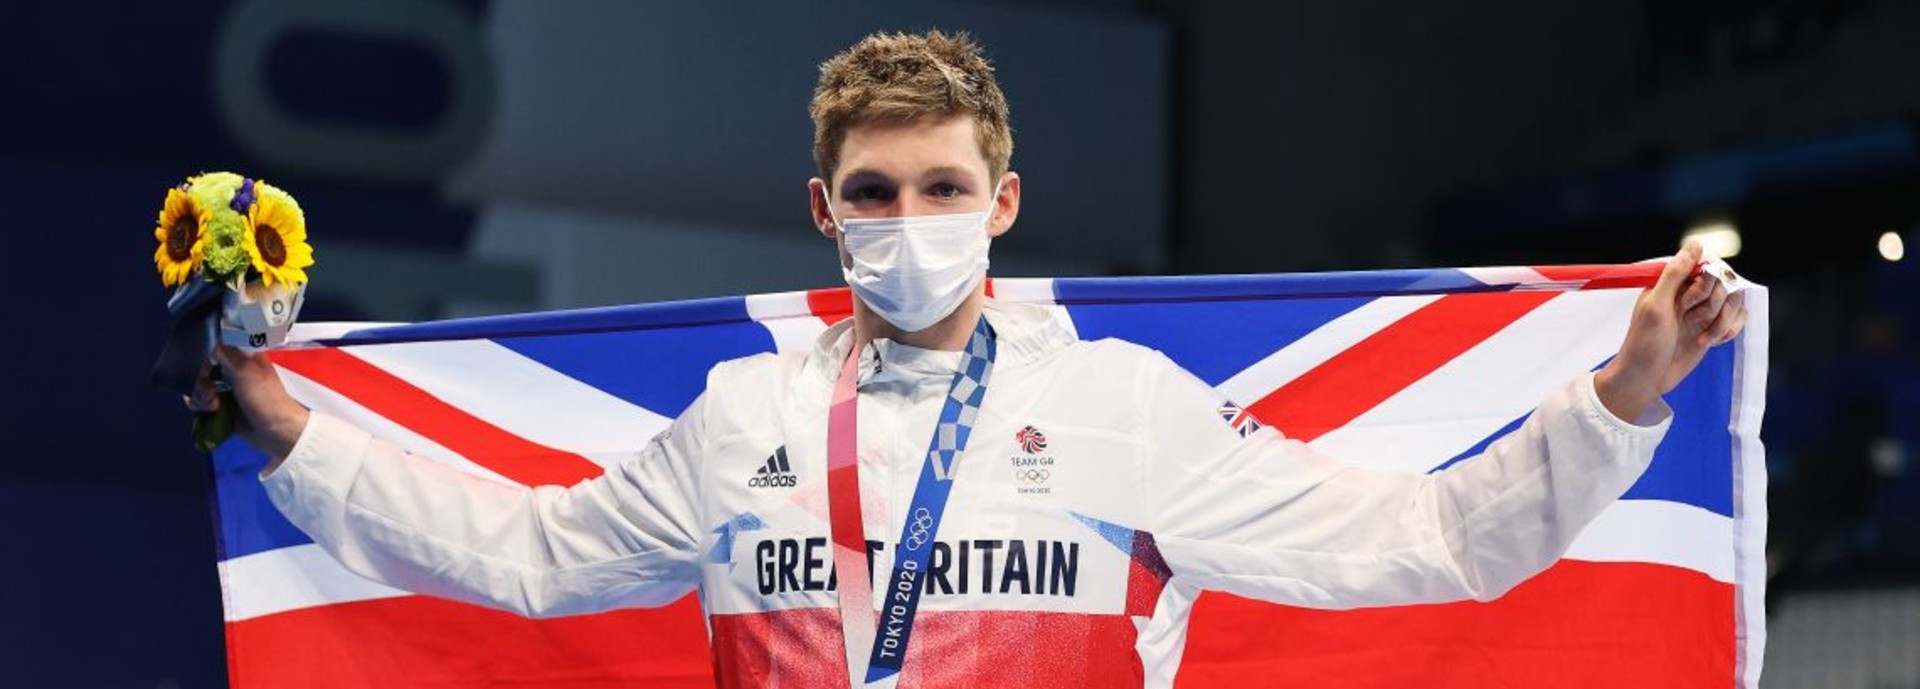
{"x":1267,"y":517}
{"x":627,"y":538}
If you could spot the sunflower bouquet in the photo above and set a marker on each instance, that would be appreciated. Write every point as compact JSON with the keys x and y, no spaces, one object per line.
{"x":235,"y":251}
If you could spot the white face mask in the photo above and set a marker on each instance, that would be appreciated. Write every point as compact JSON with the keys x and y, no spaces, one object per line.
{"x":914,"y":271}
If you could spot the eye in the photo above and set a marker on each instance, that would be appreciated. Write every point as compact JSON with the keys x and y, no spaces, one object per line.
{"x":944,"y":191}
{"x":868,"y":193}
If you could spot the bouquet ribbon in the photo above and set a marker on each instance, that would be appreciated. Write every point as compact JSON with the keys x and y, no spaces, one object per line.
{"x":195,"y":307}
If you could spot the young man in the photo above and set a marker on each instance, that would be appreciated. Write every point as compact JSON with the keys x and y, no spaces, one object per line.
{"x":903,"y":538}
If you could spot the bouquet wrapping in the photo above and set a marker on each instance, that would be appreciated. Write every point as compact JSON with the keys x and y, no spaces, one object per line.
{"x":235,"y":251}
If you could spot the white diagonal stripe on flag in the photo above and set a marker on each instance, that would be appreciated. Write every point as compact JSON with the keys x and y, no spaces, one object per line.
{"x":521,"y":396}
{"x":285,"y":579}
{"x":1024,"y":290}
{"x":788,"y":319}
{"x":1471,"y":397}
{"x":320,"y":398}
{"x":328,"y":330}
{"x":1660,"y":531}
{"x":1331,"y":338}
{"x":1507,"y":275}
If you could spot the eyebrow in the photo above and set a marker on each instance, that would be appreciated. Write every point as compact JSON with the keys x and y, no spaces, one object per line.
{"x":866,"y":174}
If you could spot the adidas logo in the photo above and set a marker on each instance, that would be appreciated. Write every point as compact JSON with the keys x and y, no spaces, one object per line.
{"x":776,"y":474}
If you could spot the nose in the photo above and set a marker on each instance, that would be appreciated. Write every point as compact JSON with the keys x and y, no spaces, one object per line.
{"x":909,"y":205}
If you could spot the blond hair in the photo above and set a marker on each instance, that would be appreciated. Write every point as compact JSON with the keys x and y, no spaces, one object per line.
{"x":904,"y":77}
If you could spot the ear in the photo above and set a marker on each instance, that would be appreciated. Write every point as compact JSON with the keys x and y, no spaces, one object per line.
{"x":822,"y":213}
{"x":1007,"y":207}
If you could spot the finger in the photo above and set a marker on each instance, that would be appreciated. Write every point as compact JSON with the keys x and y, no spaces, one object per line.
{"x":1722,"y":326}
{"x":1721,"y":332}
{"x":1678,"y":269}
{"x":228,"y":356}
{"x":1702,"y":315}
{"x":208,"y":392}
{"x":1698,"y":288}
{"x":1733,"y":331}
{"x":203,"y":398}
{"x":1731,"y":319}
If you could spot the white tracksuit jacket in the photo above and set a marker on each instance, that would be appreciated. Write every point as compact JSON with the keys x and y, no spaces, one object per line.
{"x":1072,"y":561}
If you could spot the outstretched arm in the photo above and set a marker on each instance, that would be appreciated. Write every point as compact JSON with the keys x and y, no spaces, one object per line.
{"x":626,"y":538}
{"x":1269,"y":518}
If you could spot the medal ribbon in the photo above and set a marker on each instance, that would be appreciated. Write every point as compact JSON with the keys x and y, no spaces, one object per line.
{"x":887,"y":639}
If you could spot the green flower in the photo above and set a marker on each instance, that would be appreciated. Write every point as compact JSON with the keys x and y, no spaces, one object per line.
{"x":226,"y":257}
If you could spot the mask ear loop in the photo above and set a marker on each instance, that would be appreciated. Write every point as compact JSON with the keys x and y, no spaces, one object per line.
{"x":993,"y":202}
{"x":827,"y":196}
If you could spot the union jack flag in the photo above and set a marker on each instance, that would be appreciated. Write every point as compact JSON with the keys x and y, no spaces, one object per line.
{"x":1238,"y":419}
{"x":1410,"y":369}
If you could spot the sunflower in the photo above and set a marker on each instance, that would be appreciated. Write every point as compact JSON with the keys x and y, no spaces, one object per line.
{"x":278,"y":241}
{"x":182,"y":233}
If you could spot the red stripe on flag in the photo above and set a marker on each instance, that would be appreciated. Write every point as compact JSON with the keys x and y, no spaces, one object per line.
{"x":516,"y":458}
{"x":1376,"y":368}
{"x":1606,"y":277}
{"x":830,"y":305}
{"x":419,"y":641}
{"x":1579,"y":624}
{"x":835,"y":304}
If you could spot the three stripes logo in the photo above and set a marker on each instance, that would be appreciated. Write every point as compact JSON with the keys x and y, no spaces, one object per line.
{"x":776,"y":474}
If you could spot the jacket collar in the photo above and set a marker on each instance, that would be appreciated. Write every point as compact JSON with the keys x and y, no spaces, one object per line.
{"x":1026,"y":333}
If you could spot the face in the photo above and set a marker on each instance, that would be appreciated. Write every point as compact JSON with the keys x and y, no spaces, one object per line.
{"x":894,"y":169}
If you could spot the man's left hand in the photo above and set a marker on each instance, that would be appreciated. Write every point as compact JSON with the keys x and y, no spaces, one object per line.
{"x":1674,"y":323}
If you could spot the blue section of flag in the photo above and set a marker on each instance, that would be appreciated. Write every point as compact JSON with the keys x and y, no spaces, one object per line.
{"x":1214,"y":339}
{"x":664,"y":315}
{"x":1184,"y":288}
{"x":1694,"y":463}
{"x":660,"y":369}
{"x":249,"y":523}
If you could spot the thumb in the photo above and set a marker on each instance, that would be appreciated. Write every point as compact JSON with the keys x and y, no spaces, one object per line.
{"x":234,"y":361}
{"x":1678,"y":270}
{"x":229,"y":358}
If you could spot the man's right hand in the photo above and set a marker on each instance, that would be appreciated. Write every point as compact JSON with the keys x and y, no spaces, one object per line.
{"x":270,"y":419}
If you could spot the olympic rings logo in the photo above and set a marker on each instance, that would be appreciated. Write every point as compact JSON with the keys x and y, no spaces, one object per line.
{"x":920,"y":529}
{"x":1032,"y":475}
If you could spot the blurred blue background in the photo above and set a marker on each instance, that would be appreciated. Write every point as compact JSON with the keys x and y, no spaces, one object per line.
{"x":466,"y":157}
